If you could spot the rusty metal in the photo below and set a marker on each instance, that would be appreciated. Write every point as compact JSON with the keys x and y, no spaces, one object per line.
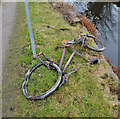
{"x":68,"y":44}
{"x":62,"y":76}
{"x":32,"y":69}
{"x":85,"y":37}
{"x":68,"y":61}
{"x":66,"y":76}
{"x":62,"y":57}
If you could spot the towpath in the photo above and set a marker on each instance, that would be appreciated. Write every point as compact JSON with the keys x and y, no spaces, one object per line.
{"x":8,"y":13}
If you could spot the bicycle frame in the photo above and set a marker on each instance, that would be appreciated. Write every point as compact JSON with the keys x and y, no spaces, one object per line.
{"x":67,"y":44}
{"x":62,"y":77}
{"x":66,"y":76}
{"x":74,"y":51}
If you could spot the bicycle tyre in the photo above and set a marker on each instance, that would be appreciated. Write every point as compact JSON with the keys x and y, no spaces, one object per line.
{"x":47,"y":93}
{"x":95,"y":38}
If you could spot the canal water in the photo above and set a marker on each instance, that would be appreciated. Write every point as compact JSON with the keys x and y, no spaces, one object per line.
{"x":105,"y":17}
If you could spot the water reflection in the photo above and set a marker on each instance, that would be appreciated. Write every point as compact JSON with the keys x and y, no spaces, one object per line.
{"x":105,"y":17}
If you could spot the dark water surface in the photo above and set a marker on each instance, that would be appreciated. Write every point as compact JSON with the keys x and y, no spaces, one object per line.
{"x":105,"y":17}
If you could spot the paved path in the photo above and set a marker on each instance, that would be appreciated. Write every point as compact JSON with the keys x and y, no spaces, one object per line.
{"x":8,"y":17}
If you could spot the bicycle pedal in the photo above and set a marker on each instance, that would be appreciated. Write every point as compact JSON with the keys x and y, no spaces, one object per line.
{"x":56,"y":47}
{"x":94,"y":61}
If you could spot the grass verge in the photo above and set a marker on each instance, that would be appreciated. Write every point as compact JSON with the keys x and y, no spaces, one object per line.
{"x":80,"y":97}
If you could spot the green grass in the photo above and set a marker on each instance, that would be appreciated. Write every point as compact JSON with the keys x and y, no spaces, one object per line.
{"x":79,"y":97}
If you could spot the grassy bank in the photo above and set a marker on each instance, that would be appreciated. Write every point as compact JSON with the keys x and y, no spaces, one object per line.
{"x":82,"y":96}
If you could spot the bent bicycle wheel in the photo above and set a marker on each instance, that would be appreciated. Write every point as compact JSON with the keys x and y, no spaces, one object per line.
{"x":100,"y":47}
{"x":40,"y":83}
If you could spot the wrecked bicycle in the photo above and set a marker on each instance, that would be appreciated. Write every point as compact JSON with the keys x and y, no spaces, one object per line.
{"x":62,"y":76}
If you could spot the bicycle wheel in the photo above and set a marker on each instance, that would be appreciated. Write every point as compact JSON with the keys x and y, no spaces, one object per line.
{"x":46,"y":93}
{"x":102,"y":48}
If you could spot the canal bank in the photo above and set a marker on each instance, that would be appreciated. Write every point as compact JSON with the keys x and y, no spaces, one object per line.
{"x":74,"y":13}
{"x":88,"y":93}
